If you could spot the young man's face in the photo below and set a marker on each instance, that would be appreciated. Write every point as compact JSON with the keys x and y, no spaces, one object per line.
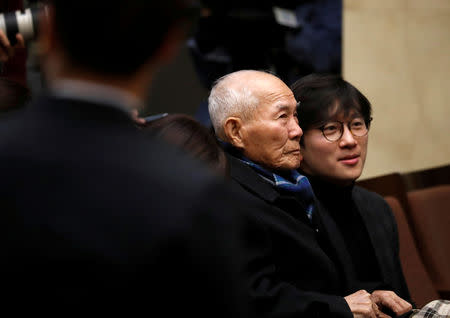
{"x":340,"y":161}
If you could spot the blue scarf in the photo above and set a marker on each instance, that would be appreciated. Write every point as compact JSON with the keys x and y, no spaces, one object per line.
{"x":299,"y":184}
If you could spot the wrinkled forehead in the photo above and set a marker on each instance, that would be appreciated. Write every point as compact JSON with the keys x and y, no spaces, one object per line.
{"x":283,"y":94}
{"x":277,"y":94}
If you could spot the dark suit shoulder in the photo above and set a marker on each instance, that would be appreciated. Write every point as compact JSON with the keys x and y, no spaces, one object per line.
{"x":370,"y":201}
{"x":366,"y":194}
{"x":132,"y":213}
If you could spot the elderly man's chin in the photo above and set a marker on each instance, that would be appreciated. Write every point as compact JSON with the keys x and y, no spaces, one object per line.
{"x":292,"y":162}
{"x":295,"y":164}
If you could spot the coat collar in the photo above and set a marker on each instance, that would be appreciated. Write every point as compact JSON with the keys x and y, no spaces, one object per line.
{"x":252,"y":182}
{"x":249,"y":179}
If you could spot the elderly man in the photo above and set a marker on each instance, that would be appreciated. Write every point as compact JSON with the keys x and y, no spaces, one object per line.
{"x":292,"y":267}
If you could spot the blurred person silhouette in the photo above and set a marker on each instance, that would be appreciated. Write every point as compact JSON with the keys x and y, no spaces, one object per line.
{"x":13,"y":81}
{"x":19,"y":60}
{"x":97,"y":218}
{"x":187,"y":133}
{"x":292,"y":267}
{"x":13,"y":56}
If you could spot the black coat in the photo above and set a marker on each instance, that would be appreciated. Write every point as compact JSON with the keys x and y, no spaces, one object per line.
{"x":377,"y":225}
{"x":97,"y":218}
{"x":295,"y":267}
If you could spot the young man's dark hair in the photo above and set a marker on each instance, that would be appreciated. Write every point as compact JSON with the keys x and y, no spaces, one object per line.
{"x":322,"y":96}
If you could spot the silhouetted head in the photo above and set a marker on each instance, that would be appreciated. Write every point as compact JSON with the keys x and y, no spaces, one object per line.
{"x":114,"y":36}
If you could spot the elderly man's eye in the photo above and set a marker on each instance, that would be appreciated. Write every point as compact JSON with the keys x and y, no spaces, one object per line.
{"x":283,"y":116}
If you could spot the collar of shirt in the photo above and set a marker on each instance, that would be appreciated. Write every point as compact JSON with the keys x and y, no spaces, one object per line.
{"x":93,"y":92}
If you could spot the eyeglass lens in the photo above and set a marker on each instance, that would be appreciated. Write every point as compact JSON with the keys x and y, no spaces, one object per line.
{"x":334,"y":130}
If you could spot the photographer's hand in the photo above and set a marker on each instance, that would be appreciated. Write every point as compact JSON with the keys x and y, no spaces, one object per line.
{"x":6,"y":50}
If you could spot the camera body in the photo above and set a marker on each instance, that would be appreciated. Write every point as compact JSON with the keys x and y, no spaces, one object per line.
{"x":24,"y":22}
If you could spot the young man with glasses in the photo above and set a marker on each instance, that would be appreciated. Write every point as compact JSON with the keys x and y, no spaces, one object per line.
{"x":360,"y":227}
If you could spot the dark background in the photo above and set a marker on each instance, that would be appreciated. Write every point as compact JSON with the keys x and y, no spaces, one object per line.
{"x":176,"y":87}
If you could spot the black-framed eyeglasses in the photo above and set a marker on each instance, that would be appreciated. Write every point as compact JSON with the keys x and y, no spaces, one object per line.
{"x":334,"y":130}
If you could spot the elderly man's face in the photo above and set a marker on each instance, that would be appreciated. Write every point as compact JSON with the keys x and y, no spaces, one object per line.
{"x":271,"y":137}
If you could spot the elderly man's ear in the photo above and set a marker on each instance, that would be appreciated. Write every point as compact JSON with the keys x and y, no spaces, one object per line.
{"x":233,"y":130}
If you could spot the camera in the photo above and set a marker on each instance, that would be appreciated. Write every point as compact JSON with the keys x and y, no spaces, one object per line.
{"x":24,"y":22}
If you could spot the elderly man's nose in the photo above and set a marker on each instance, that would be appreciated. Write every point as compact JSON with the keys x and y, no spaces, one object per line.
{"x":295,"y":130}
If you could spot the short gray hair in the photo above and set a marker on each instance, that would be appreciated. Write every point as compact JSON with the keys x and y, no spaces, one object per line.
{"x":231,"y":97}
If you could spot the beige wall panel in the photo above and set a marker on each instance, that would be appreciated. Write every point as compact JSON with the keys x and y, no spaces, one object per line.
{"x":396,"y":4}
{"x":429,"y":57}
{"x":398,"y":55}
{"x":375,"y":4}
{"x":428,"y":4}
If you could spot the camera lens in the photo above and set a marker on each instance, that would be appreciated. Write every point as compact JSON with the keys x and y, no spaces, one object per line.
{"x":25,"y":23}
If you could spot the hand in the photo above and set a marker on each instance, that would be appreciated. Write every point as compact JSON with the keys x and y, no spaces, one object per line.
{"x":362,"y":306}
{"x":6,"y":50}
{"x":138,"y":120}
{"x":389,"y":299}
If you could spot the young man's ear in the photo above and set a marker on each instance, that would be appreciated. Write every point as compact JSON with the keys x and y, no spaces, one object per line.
{"x":233,"y":130}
